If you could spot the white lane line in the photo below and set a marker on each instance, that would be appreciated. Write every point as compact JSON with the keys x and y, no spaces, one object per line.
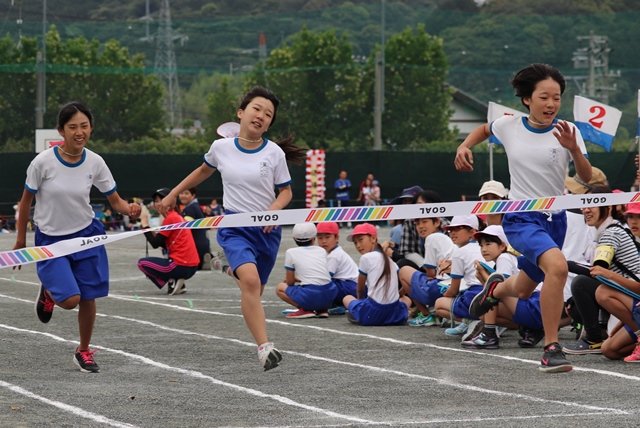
{"x":66,"y":407}
{"x":381,"y":338}
{"x":354,"y":334}
{"x":374,"y":368}
{"x":599,"y":410}
{"x":199,"y":375}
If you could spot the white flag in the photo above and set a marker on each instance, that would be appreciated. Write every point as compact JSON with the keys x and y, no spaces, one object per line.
{"x":597,"y":122}
{"x":496,"y":111}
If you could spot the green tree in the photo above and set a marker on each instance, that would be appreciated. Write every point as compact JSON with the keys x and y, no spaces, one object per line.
{"x":320,"y":84}
{"x":417,"y":106}
{"x":127,"y":103}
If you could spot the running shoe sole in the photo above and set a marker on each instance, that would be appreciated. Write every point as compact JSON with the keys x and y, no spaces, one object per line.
{"x":479,"y":305}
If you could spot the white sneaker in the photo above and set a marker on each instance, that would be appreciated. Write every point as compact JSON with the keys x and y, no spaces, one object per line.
{"x":219,"y":262}
{"x":269,"y":356}
{"x":179,"y":287}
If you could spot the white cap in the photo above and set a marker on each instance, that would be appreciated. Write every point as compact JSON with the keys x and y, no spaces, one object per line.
{"x":493,"y":230}
{"x":464,"y":220}
{"x":493,"y":187}
{"x":304,"y":231}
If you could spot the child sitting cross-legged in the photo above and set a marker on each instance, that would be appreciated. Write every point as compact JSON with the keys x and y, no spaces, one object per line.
{"x":423,"y":286}
{"x":464,"y":286}
{"x":307,"y":284}
{"x":378,"y":301}
{"x":511,"y":312}
{"x":343,"y":270}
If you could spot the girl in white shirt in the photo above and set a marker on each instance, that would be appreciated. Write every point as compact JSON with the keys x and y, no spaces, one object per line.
{"x":251,"y":167}
{"x":381,"y":304}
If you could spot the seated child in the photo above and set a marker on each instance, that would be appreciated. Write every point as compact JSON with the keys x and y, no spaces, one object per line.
{"x":183,"y":259}
{"x":307,"y":283}
{"x":343,"y":270}
{"x":623,"y":342}
{"x":464,"y":284}
{"x":422,"y":286}
{"x":378,"y":300}
{"x":494,"y":247}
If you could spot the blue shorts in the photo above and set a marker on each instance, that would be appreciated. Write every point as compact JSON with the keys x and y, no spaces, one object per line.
{"x":251,"y":245}
{"x":424,"y":290}
{"x":463,"y":301}
{"x":528,"y":312}
{"x":532,"y":234}
{"x":313,"y":297}
{"x":635,"y":311}
{"x":85,"y":273}
{"x":369,"y":312}
{"x":345,"y":287}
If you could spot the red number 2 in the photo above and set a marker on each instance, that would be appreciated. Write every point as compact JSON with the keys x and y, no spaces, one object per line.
{"x":600,"y":112}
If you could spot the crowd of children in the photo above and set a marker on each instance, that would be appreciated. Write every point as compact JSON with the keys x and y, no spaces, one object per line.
{"x":461,"y":262}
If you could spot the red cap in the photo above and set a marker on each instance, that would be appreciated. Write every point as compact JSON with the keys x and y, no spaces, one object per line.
{"x":329,"y":227}
{"x":633,"y":208}
{"x":363,"y":229}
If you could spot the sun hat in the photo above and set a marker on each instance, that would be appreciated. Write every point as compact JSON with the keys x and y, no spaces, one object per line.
{"x":633,"y":208}
{"x":407,"y":193}
{"x":162,"y":192}
{"x":464,"y":220}
{"x":363,"y":229}
{"x":493,"y":187}
{"x":577,"y":186}
{"x":304,"y":231}
{"x":493,"y":230}
{"x":329,"y":227}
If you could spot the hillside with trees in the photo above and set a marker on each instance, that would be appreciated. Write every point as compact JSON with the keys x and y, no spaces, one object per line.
{"x":319,"y":58}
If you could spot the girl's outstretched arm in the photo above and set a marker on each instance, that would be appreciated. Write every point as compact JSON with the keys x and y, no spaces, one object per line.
{"x":464,"y":156}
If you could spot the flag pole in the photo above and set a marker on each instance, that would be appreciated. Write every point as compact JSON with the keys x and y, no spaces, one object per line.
{"x":490,"y":160}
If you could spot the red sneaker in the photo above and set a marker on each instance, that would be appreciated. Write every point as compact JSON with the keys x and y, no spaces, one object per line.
{"x":44,"y":305}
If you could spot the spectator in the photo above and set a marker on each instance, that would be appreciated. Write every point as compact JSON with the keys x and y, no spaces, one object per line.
{"x":191,"y":211}
{"x":343,"y":187}
{"x":492,"y":190}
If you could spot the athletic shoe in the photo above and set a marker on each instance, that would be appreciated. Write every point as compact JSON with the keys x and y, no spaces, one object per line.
{"x":458,"y":330}
{"x":553,"y":360}
{"x":583,"y":347}
{"x":484,"y":301}
{"x":530,"y":338}
{"x":219,"y":262}
{"x":635,"y":355}
{"x":301,"y":314}
{"x":171,"y":283}
{"x":482,"y":341}
{"x":179,"y":287}
{"x":84,"y":360}
{"x":500,"y":330}
{"x":338,"y":310}
{"x":269,"y":356}
{"x":44,"y":305}
{"x":475,"y":327}
{"x":206,"y":262}
{"x":422,"y":320}
{"x":322,"y":314}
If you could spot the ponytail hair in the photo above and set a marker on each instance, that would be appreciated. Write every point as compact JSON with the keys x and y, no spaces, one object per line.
{"x":386,"y":269}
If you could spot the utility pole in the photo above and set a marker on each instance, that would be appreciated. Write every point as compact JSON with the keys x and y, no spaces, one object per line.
{"x":165,"y":66}
{"x":595,"y":58}
{"x":41,"y":73}
{"x":378,"y":108}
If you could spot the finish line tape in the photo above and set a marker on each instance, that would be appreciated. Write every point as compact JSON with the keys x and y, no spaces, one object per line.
{"x":29,"y":255}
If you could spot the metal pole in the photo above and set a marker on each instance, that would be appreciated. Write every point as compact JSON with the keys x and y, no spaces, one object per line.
{"x":490,"y":161}
{"x":41,"y":73}
{"x":377,"y":109}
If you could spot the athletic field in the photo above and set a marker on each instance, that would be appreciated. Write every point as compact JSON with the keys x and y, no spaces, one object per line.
{"x":189,"y":361}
